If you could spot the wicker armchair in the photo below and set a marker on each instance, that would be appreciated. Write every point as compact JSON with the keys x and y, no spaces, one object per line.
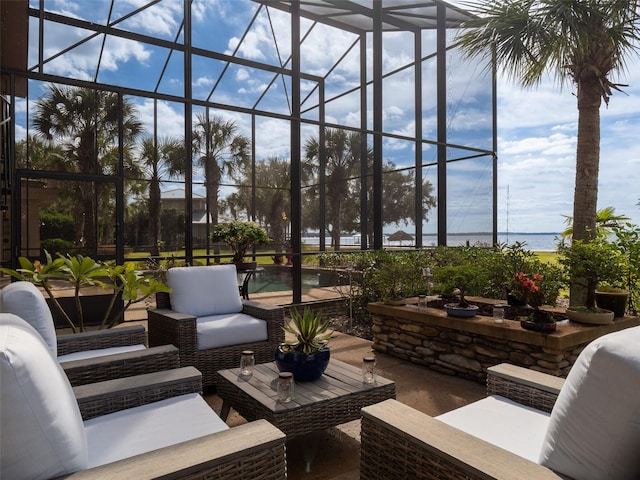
{"x":531,"y":425}
{"x":211,"y":285}
{"x":89,"y":356}
{"x":145,"y":427}
{"x":400,"y":442}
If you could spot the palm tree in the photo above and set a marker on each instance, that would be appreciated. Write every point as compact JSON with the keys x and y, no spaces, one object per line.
{"x":343,"y":158}
{"x":164,"y":159}
{"x":221,"y":150}
{"x":578,"y":41}
{"x":606,"y":220}
{"x":273,"y":198}
{"x":85,"y":123}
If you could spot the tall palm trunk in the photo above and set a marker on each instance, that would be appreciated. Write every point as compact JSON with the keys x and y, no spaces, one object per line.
{"x":587,"y":167}
{"x":154,"y":214}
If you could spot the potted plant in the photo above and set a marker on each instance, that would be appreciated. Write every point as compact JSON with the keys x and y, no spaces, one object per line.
{"x":128,"y":286}
{"x":612,"y":298}
{"x":240,"y":236}
{"x":529,"y":289}
{"x":459,"y":280}
{"x":306,"y":352}
{"x":589,"y":263}
{"x":624,"y":294}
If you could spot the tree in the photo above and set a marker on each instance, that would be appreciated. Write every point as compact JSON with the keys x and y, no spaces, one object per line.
{"x":606,"y":221}
{"x":163,"y":159}
{"x":578,"y":41}
{"x":344,"y":185}
{"x":343,"y":157}
{"x":273,"y":198}
{"x":221,"y":150}
{"x":86,"y":122}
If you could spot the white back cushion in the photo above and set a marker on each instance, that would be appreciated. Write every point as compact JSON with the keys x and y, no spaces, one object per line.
{"x":200,"y":291}
{"x":42,"y":434}
{"x":594,"y":429}
{"x":26,"y":300}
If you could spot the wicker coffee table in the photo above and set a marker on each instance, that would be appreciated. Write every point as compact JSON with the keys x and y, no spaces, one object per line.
{"x":333,"y":399}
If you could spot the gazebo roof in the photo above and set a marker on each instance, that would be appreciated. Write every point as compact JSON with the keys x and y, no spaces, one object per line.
{"x":357,"y":15}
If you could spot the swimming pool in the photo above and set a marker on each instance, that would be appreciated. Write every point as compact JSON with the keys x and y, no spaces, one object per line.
{"x":277,"y":279}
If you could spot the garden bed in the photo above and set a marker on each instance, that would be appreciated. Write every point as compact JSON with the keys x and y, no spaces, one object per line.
{"x":467,"y":347}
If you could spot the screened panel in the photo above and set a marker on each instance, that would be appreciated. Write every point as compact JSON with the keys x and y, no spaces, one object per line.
{"x":469,"y":201}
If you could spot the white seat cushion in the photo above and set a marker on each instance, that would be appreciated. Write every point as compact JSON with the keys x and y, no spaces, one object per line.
{"x":25,"y":300}
{"x":232,"y":329}
{"x":594,"y":430}
{"x":201,"y":291}
{"x":149,"y":427}
{"x":42,"y":434}
{"x":101,"y":352}
{"x":503,"y":423}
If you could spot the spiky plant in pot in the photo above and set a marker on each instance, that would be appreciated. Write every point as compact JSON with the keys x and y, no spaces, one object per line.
{"x":309,"y":331}
{"x":306,"y":352}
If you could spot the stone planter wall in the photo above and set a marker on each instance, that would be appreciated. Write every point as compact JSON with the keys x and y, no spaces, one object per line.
{"x":467,"y":347}
{"x":328,"y":308}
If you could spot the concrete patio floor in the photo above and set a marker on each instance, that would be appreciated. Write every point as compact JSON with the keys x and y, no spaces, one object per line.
{"x":336,"y":452}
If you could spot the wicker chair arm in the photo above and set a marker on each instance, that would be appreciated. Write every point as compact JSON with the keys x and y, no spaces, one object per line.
{"x":272,"y":314}
{"x":250,"y":451}
{"x":168,"y":327}
{"x":401,"y":442}
{"x":527,"y":387}
{"x":101,"y":398}
{"x":97,"y":339}
{"x":128,"y":364}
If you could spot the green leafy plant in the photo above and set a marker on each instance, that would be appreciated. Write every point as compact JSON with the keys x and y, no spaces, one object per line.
{"x":463,"y":278}
{"x":309,"y":331}
{"x":80,"y":271}
{"x":627,"y":241}
{"x":591,"y":263}
{"x":239,"y":236}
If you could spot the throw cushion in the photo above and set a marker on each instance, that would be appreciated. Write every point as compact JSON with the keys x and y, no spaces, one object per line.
{"x":42,"y":434}
{"x":217,"y":331}
{"x":200,"y":291}
{"x":26,"y":300}
{"x":594,"y":429}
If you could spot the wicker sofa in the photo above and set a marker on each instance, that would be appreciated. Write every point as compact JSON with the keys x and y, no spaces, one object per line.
{"x":531,"y":425}
{"x":149,"y":426}
{"x":205,"y":297}
{"x":93,"y":356}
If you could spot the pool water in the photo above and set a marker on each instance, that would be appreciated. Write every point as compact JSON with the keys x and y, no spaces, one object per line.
{"x":279,"y":279}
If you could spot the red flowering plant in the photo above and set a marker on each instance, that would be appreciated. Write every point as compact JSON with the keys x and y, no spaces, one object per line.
{"x":529,"y":289}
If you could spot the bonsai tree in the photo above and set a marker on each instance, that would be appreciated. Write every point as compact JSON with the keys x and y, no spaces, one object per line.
{"x":309,"y":331}
{"x":463,"y":278}
{"x":590,"y":263}
{"x":81,"y":271}
{"x":239,"y":236}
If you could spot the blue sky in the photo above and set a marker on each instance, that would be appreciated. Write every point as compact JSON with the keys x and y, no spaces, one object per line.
{"x":536,"y":128}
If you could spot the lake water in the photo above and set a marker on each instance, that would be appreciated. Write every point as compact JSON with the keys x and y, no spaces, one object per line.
{"x":534,"y":241}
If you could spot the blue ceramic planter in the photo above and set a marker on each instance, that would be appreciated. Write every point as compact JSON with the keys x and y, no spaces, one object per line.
{"x":305,"y":368}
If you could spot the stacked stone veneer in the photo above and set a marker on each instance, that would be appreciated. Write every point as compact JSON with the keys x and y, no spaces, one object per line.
{"x":327,"y":309}
{"x":467,"y":347}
